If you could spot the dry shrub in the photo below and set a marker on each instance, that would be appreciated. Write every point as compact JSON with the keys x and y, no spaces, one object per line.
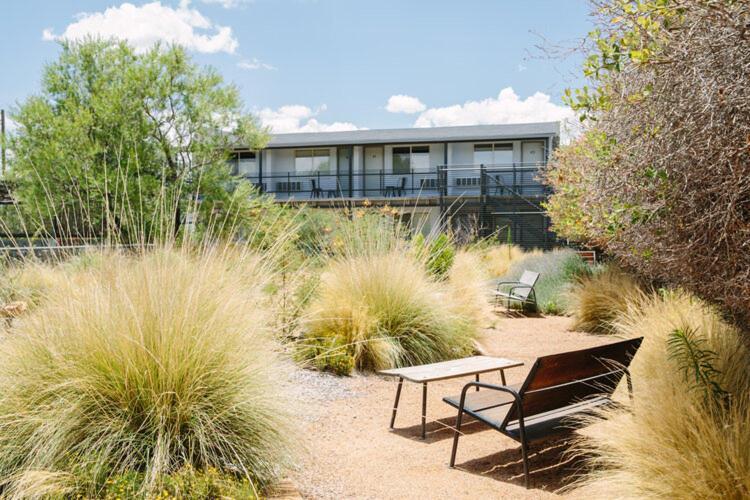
{"x":598,"y":299}
{"x":142,"y":364}
{"x":469,"y":289}
{"x":672,"y":442}
{"x":663,"y":179}
{"x":385,"y":311}
{"x":497,"y":259}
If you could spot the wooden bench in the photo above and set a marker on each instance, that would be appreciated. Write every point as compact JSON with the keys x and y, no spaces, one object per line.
{"x":521,"y":291}
{"x":558,"y":387}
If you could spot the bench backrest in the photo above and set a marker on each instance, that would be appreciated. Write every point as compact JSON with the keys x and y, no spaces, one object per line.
{"x":527,"y":278}
{"x":560,"y":380}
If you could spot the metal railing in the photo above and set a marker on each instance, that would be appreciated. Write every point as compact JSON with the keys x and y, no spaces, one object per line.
{"x":442,"y":180}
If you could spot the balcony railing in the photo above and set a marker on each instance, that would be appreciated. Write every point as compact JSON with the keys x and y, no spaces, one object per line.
{"x":444,"y":180}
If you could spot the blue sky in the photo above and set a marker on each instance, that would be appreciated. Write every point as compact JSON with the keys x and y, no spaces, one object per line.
{"x":333,"y":64}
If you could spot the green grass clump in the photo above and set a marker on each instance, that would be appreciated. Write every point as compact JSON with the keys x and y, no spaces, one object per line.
{"x":558,"y":270}
{"x":384,"y":310}
{"x":142,"y":365}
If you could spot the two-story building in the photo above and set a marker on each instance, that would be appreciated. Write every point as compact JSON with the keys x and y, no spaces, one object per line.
{"x":482,"y":178}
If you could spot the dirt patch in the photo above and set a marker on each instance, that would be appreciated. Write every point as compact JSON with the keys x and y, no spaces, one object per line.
{"x":351,"y":453}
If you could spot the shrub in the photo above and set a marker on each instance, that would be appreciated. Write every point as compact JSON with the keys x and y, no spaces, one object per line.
{"x":597,"y":299}
{"x":673,"y":442}
{"x":386,"y":311}
{"x":663,"y":177}
{"x":558,"y":270}
{"x":437,"y":252}
{"x":497,"y":259}
{"x":469,"y":290}
{"x":142,"y":365}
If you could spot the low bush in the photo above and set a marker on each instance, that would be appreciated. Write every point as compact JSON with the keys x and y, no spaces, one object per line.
{"x":673,"y":441}
{"x":437,"y":252}
{"x":558,"y":270}
{"x":596,"y":300}
{"x":142,"y":365}
{"x":385,"y":311}
{"x":497,"y":259}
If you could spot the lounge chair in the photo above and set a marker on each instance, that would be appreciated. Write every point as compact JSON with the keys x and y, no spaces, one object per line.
{"x":521,"y":291}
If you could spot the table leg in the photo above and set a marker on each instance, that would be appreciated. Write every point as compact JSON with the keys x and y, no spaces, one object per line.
{"x":477,"y":378}
{"x":502,"y":376}
{"x":395,"y":404}
{"x":424,"y":408}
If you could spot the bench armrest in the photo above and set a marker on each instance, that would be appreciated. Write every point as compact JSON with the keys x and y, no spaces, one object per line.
{"x":485,"y":385}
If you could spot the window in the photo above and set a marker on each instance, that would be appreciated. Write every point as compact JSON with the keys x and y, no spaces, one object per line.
{"x":408,"y":158}
{"x":312,"y":161}
{"x":244,"y":163}
{"x":493,"y":154}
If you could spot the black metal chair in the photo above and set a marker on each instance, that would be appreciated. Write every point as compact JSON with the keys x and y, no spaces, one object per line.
{"x":558,"y":387}
{"x":315,"y":191}
{"x":397,"y":190}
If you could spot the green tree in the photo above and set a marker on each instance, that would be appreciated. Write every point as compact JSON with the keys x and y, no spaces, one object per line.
{"x":126,"y":144}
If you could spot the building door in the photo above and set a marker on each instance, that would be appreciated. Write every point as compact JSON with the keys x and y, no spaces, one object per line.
{"x":344,"y":170}
{"x":532,"y":159}
{"x":373,"y":171}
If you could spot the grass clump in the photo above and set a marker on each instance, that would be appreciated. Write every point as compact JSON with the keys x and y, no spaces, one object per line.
{"x":596,"y":300}
{"x":687,"y":433}
{"x":558,"y":271}
{"x":497,"y":259}
{"x":384,"y":311}
{"x":142,"y":365}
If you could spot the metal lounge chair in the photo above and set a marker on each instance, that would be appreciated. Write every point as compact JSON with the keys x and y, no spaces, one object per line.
{"x":521,"y":291}
{"x":558,"y":387}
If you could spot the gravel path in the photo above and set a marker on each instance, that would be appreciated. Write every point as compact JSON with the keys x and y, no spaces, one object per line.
{"x":350,"y":453}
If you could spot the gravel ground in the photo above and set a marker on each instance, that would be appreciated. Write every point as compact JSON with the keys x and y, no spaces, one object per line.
{"x":349,"y":452}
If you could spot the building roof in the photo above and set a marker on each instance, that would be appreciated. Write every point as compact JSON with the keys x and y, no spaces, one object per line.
{"x":416,"y":135}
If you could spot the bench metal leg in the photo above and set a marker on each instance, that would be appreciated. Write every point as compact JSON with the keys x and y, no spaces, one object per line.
{"x":395,"y":404}
{"x":424,"y":408}
{"x":525,"y":455}
{"x":502,"y":376}
{"x":477,"y":378}
{"x":456,"y":434}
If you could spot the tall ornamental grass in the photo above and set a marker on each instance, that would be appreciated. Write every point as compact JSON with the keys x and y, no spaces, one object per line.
{"x":140,"y":366}
{"x":383,"y":310}
{"x":497,"y":259}
{"x":596,"y":300}
{"x":687,"y":432}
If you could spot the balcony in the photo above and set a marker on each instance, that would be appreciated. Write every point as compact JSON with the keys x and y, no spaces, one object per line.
{"x":441,"y":181}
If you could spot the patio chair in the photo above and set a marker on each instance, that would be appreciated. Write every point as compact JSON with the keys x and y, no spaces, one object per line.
{"x":397,"y":190}
{"x":559,"y":388}
{"x":315,"y":191}
{"x":521,"y":291}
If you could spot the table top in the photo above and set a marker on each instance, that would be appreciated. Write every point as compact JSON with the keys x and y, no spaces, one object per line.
{"x":450,"y":369}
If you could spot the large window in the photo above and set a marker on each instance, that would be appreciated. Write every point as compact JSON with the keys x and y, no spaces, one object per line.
{"x":312,"y":161}
{"x":244,"y":163}
{"x":493,"y":154}
{"x":408,"y":158}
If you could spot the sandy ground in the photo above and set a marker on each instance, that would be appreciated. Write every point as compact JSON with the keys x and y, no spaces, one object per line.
{"x":349,"y":452}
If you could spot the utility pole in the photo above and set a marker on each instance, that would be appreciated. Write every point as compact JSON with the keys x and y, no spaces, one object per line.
{"x":2,"y":140}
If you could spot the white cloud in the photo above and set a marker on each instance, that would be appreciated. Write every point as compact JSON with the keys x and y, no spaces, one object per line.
{"x":298,"y":118}
{"x":227,"y":4}
{"x":150,"y":23}
{"x":253,"y":64}
{"x":507,"y":107}
{"x":404,"y":104}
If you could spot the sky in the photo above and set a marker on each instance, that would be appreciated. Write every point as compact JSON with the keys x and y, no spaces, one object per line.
{"x":317,"y":65}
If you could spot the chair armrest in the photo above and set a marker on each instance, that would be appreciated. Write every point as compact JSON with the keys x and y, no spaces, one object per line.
{"x":519,"y":286}
{"x":506,"y":283}
{"x":485,"y":385}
